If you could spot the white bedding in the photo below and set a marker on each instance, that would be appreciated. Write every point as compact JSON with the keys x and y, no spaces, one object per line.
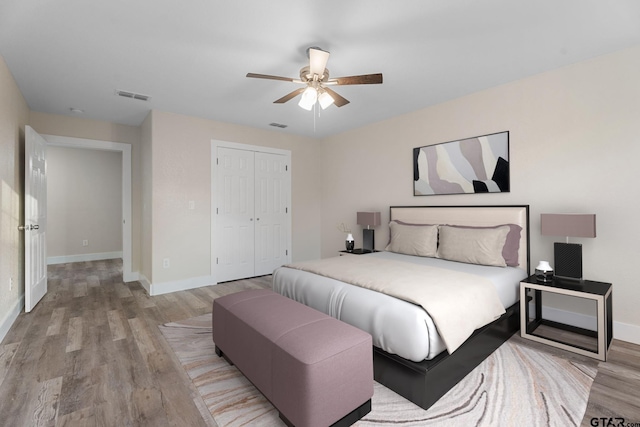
{"x":397,"y":326}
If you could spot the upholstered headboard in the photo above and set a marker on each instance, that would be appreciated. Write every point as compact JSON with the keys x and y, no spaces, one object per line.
{"x":471,"y":216}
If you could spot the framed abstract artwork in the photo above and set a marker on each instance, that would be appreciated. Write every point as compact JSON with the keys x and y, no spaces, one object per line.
{"x":473,"y":165}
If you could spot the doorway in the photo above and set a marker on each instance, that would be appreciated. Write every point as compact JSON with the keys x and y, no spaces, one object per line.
{"x":84,"y":205}
{"x":125,"y":150}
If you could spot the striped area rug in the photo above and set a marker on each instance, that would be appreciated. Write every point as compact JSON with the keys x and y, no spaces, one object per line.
{"x":521,"y":383}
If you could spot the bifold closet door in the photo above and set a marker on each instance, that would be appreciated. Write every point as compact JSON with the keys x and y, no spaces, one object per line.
{"x":252,"y":218}
{"x":271,"y":224}
{"x":235,"y":216}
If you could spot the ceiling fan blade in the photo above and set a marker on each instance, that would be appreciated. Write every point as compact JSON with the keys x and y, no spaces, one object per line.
{"x":289,"y":96}
{"x":317,"y":61}
{"x":366,"y":79}
{"x":338,"y":100}
{"x":269,"y":77}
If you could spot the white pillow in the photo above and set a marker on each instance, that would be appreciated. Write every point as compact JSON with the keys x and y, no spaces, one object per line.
{"x":473,"y":245}
{"x":420,"y":240}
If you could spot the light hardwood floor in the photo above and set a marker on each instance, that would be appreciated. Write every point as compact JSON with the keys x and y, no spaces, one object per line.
{"x":90,"y":353}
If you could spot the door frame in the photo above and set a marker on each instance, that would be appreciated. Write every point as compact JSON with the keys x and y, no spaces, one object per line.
{"x":94,"y":144}
{"x":214,"y":197}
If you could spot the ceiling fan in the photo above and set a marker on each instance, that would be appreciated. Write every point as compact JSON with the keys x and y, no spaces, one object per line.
{"x":315,"y":80}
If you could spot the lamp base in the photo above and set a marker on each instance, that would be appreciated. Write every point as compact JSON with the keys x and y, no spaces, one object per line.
{"x":368,"y":241}
{"x":568,"y":260}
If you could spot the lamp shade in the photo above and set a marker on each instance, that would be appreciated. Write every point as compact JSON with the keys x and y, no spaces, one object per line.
{"x":308,"y":98}
{"x":324,"y":99}
{"x":370,"y":219}
{"x":569,"y":225}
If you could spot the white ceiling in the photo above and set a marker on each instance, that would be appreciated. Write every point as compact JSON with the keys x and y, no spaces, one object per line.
{"x":192,"y":56}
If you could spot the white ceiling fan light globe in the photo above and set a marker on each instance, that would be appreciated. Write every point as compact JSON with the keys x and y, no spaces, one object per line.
{"x":325,"y":100}
{"x":308,"y":98}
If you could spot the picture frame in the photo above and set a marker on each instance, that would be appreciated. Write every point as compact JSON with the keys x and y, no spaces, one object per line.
{"x":467,"y":166}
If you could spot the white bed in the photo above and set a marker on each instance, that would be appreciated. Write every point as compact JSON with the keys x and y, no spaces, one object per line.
{"x":397,"y":326}
{"x":403,"y":333}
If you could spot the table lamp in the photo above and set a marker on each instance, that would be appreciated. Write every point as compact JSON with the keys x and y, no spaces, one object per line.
{"x":568,"y":256}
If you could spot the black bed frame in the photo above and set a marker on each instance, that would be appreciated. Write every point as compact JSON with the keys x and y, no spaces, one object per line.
{"x":423,"y":383}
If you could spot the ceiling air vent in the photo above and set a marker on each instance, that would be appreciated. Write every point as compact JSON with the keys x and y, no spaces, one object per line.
{"x":132,"y":95}
{"x":278,"y":125}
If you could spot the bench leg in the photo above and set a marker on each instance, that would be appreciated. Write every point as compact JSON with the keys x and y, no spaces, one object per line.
{"x":220,"y":353}
{"x":354,"y":415}
{"x":345,"y":421}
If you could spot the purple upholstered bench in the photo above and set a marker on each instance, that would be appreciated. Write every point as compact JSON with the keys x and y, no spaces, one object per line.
{"x":316,"y":370}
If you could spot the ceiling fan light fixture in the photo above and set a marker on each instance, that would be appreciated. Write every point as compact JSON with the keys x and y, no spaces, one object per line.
{"x":325,"y":100}
{"x":308,"y":98}
{"x":315,"y":82}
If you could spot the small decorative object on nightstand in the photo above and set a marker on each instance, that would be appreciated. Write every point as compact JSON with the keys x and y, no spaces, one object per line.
{"x":580,"y":340}
{"x":349,"y":243}
{"x":544,"y":272}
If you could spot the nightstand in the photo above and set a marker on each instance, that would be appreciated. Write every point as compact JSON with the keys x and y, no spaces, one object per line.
{"x":357,"y":251}
{"x":579,"y":340}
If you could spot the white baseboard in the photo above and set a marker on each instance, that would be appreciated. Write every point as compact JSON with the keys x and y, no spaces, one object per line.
{"x":626,"y":332}
{"x":144,"y":282}
{"x":130,"y":277}
{"x":177,"y":285}
{"x":83,"y":257}
{"x":621,"y":331}
{"x":11,"y":317}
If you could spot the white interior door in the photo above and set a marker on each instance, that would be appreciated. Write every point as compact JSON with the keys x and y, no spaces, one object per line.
{"x":272,"y":183}
{"x":35,"y":218}
{"x":235,"y":214}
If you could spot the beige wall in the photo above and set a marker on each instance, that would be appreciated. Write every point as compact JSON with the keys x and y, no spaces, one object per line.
{"x":84,"y":202}
{"x":14,"y":115}
{"x":574,"y":147}
{"x":171,"y":165}
{"x":181,"y":171}
{"x":52,"y":124}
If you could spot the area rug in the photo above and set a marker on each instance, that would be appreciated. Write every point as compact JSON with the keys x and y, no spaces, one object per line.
{"x":517,"y":385}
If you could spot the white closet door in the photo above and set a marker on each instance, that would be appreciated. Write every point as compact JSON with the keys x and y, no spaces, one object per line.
{"x":272,"y":183}
{"x":235,"y":217}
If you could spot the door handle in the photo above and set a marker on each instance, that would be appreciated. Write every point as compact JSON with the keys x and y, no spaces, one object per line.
{"x":28,"y":227}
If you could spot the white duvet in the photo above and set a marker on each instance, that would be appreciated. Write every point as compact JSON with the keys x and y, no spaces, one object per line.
{"x":397,"y":326}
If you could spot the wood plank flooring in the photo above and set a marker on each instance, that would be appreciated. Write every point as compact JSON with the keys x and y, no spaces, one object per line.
{"x":90,"y":353}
